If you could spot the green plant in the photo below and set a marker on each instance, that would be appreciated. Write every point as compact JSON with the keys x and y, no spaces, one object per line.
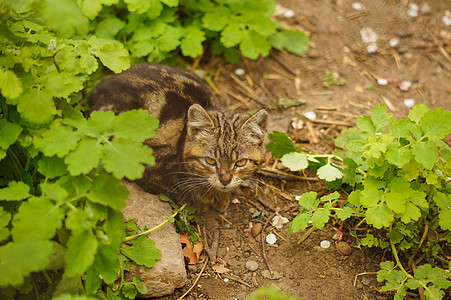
{"x":397,"y":171}
{"x":269,"y":292}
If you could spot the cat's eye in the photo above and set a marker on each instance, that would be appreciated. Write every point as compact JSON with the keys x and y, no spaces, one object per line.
{"x":241,"y":162}
{"x":210,"y":161}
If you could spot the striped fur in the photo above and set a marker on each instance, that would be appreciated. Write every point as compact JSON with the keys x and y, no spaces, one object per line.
{"x":189,"y":136}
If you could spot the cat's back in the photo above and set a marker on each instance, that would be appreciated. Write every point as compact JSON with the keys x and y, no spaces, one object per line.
{"x":166,"y":92}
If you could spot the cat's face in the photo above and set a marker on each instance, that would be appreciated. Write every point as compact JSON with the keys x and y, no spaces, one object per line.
{"x":223,"y":149}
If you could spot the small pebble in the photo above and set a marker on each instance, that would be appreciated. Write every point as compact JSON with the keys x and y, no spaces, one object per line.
{"x":251,"y":265}
{"x":358,"y":6}
{"x":343,"y":248}
{"x":226,"y":279}
{"x":372,"y":48}
{"x":240,"y":72}
{"x":409,"y":102}
{"x":446,"y":19}
{"x":288,"y":13}
{"x":256,"y":229}
{"x":394,"y":43}
{"x":325,"y":244}
{"x":382,"y":81}
{"x":404,"y":85}
{"x":271,"y":238}
{"x":310,"y":115}
{"x":313,"y":53}
{"x":368,"y":35}
{"x":235,"y":201}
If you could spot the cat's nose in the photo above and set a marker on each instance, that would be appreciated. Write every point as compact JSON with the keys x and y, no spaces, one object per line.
{"x":225,"y":178}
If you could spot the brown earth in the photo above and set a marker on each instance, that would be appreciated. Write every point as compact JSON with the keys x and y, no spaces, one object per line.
{"x":306,"y":270}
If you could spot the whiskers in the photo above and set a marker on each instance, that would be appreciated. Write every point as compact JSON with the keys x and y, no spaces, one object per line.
{"x":186,"y":184}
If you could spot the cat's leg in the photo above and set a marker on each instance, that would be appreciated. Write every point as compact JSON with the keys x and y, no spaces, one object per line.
{"x":222,"y":201}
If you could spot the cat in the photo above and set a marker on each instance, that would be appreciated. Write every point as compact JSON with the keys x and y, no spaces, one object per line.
{"x":202,"y":154}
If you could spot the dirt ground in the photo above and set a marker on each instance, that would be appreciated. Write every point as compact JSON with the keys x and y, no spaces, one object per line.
{"x":304,"y":269}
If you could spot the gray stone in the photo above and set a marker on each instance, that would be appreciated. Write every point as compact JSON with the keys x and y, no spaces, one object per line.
{"x":169,"y":272}
{"x":252,"y":265}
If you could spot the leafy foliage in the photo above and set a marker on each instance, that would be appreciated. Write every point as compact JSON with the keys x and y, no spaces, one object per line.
{"x":398,"y":173}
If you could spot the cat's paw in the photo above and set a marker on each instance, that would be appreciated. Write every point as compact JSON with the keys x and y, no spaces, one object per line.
{"x":222,"y":203}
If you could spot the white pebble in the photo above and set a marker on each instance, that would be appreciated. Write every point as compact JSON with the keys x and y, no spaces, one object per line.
{"x":240,"y":72}
{"x":382,"y":81}
{"x":358,"y":6}
{"x":325,"y":244}
{"x":297,"y":124}
{"x":394,"y":42}
{"x":226,"y":279}
{"x":235,"y":201}
{"x":372,"y":48}
{"x":409,"y":102}
{"x":271,"y":238}
{"x":446,"y":19}
{"x":288,"y":13}
{"x":412,"y":13}
{"x":310,"y":115}
{"x":368,"y":35}
{"x":404,"y":85}
{"x":413,"y":6}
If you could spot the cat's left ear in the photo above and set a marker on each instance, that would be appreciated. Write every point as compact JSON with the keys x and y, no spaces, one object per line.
{"x":256,"y":126}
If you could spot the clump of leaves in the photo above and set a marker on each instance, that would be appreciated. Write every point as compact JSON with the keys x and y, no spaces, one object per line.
{"x":397,"y":171}
{"x":332,"y":78}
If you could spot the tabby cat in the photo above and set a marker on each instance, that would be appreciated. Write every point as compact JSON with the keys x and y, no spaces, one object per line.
{"x":201,"y":153}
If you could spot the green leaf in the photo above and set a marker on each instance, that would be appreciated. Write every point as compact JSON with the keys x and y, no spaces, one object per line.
{"x":112,"y":54}
{"x":15,"y":191}
{"x":143,"y":252}
{"x":129,"y":290}
{"x":370,"y":196}
{"x":321,"y":216}
{"x":114,"y":227}
{"x":36,"y":106}
{"x":344,"y":214}
{"x":417,"y":112}
{"x":329,"y":172}
{"x":28,"y":221}
{"x":81,"y":250}
{"x":138,"y":6}
{"x":136,"y":125}
{"x":231,"y":35}
{"x":5,"y":217}
{"x":300,"y":222}
{"x":9,"y":132}
{"x":445,"y":219}
{"x":59,"y":140}
{"x":397,"y":155}
{"x":380,"y":117}
{"x":295,"y":161}
{"x":52,"y":167}
{"x":125,"y":158}
{"x":216,"y":19}
{"x":84,"y":158}
{"x":436,"y":123}
{"x":294,"y":41}
{"x":62,"y":84}
{"x":54,"y":191}
{"x":109,"y":27}
{"x":379,"y":216}
{"x":280,"y":144}
{"x":74,"y":297}
{"x":411,"y":213}
{"x":140,"y":285}
{"x":425,"y":153}
{"x":64,"y":17}
{"x":10,"y":85}
{"x":107,"y":190}
{"x":106,"y":264}
{"x":308,"y":200}
{"x":17,"y":261}
{"x":191,"y":43}
{"x":253,"y":44}
{"x":442,"y":200}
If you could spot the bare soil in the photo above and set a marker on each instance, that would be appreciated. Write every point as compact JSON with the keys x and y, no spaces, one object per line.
{"x":304,"y":269}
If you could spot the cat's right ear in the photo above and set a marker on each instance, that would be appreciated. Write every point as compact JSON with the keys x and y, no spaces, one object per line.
{"x":199,"y":122}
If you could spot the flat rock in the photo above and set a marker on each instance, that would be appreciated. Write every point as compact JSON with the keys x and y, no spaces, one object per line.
{"x":169,"y":272}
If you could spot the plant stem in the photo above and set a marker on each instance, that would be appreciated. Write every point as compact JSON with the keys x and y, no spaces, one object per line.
{"x":131,"y":237}
{"x":398,"y":262}
{"x":423,"y":237}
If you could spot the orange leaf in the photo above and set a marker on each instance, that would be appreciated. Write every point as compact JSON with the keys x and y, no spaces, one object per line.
{"x":190,"y":253}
